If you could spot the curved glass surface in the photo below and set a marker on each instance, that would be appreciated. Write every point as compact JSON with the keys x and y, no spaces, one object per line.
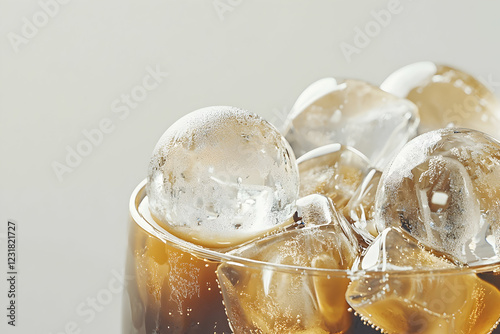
{"x":178,"y":287}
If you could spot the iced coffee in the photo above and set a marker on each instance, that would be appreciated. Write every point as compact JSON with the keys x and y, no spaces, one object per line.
{"x":380,"y":225}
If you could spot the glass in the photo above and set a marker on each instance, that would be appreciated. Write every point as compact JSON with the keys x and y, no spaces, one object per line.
{"x":172,"y":284}
{"x":174,"y":288}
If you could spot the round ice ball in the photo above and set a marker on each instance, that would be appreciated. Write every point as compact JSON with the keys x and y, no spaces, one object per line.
{"x":443,"y":188}
{"x":220,"y":176}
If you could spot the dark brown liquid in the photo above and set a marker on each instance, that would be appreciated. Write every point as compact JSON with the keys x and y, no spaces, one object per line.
{"x":171,"y":291}
{"x":494,"y":279}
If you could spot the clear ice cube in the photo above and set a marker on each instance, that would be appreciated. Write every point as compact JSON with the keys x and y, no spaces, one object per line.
{"x":446,"y":97}
{"x":222,"y":175}
{"x":316,"y":209}
{"x":272,"y":300}
{"x":334,"y":170}
{"x":352,"y":113}
{"x":391,"y":291}
{"x":443,"y":188}
{"x":360,"y":211}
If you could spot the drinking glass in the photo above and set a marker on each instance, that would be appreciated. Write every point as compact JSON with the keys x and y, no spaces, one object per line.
{"x":179,"y":287}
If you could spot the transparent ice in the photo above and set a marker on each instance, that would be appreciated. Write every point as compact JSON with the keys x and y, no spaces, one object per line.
{"x":334,"y":170}
{"x":446,"y":97}
{"x":316,"y":209}
{"x":222,"y":175}
{"x":352,"y":113}
{"x":390,"y":293}
{"x":270,"y":301}
{"x":360,"y":211}
{"x":443,"y":188}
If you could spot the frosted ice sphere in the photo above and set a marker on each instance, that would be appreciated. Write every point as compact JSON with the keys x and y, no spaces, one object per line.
{"x":443,"y":188}
{"x":446,"y":97}
{"x":352,"y":113}
{"x":360,"y":211}
{"x":271,"y":300}
{"x":220,"y":176}
{"x":404,"y":288}
{"x":334,"y":170}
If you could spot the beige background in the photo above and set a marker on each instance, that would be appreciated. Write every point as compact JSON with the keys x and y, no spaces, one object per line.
{"x":68,"y":77}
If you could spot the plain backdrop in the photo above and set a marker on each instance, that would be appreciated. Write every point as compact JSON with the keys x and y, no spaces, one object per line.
{"x":67,"y":67}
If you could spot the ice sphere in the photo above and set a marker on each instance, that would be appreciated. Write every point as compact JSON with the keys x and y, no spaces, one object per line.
{"x":272,"y":299}
{"x":220,"y":176}
{"x":403,"y":288}
{"x":360,"y":211}
{"x":446,"y":97}
{"x":443,"y":188}
{"x":332,"y":170}
{"x":352,"y":113}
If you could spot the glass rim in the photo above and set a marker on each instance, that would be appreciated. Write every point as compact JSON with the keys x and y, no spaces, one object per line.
{"x":210,"y":254}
